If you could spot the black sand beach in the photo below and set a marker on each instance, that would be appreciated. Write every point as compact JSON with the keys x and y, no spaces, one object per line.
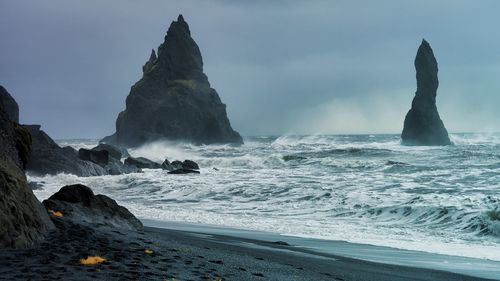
{"x":162,"y":254}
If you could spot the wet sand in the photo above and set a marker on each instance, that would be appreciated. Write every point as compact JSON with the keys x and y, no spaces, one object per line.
{"x":182,"y":255}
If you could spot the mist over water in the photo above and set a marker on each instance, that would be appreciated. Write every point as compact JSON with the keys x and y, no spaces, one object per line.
{"x":358,"y":188}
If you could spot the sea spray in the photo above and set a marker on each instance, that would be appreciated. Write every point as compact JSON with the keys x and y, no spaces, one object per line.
{"x":358,"y":188}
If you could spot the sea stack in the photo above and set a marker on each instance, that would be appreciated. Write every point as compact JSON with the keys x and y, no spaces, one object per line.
{"x":422,"y":125}
{"x":173,"y":100}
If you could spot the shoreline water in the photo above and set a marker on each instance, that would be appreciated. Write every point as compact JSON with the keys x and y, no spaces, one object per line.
{"x":480,"y":268}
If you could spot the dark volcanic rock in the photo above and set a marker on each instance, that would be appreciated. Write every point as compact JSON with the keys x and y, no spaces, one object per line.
{"x":174,"y":100}
{"x":116,"y":167}
{"x":23,"y":144}
{"x":142,"y":163}
{"x":422,"y":125}
{"x":16,"y":141}
{"x":9,"y":105}
{"x":113,"y":151}
{"x":189,"y":164}
{"x":183,"y":171}
{"x":49,"y":158}
{"x":112,"y":165}
{"x":99,"y":157}
{"x":166,"y":165}
{"x":23,"y":220}
{"x":175,"y":165}
{"x":79,"y":204}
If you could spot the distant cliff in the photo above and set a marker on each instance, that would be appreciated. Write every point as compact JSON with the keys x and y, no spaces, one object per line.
{"x":422,"y":125}
{"x":174,"y":100}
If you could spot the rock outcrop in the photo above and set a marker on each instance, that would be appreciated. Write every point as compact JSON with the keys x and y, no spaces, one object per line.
{"x":23,"y":220}
{"x":47,"y":157}
{"x":115,"y":152}
{"x":182,"y":171}
{"x":9,"y":105}
{"x":174,"y":100}
{"x":178,"y":167}
{"x":422,"y":125}
{"x":142,"y":163}
{"x":108,"y":157}
{"x":78,"y":204}
{"x":175,"y":165}
{"x":99,"y":157}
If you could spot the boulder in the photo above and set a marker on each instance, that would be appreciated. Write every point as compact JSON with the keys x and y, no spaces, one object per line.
{"x":49,"y":158}
{"x":111,"y":165}
{"x":189,"y":164}
{"x":9,"y":105}
{"x":78,"y":204}
{"x":183,"y":171}
{"x":116,"y":167}
{"x":166,"y":165}
{"x":423,"y":125}
{"x":176,"y":164}
{"x":99,"y":157}
{"x":142,"y":163}
{"x":113,"y":151}
{"x":174,"y":100}
{"x":23,"y":220}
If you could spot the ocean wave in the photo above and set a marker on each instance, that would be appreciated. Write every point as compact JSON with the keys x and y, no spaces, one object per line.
{"x":476,"y":139}
{"x":359,"y":188}
{"x":447,"y":219}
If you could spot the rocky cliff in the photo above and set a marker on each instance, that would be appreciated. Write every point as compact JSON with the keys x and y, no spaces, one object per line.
{"x":174,"y":99}
{"x":9,"y":105}
{"x":48,"y":157}
{"x":23,"y":220}
{"x":422,"y":125}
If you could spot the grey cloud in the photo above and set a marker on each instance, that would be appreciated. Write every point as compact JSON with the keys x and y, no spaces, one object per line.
{"x":280,"y":66}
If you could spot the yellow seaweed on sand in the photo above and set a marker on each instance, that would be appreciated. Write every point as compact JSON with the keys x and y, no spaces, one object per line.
{"x":90,"y":260}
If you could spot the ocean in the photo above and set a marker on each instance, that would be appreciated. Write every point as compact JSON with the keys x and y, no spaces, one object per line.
{"x":365,"y":189}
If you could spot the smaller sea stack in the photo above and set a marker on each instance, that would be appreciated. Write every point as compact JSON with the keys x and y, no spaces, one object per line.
{"x":422,"y":125}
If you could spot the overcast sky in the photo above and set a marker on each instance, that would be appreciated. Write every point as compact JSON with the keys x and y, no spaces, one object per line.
{"x":280,"y":66}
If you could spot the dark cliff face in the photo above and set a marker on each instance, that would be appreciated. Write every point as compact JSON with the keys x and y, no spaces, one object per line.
{"x":47,"y":157}
{"x":9,"y":105}
{"x":23,"y":220}
{"x":422,"y":125}
{"x":174,"y":100}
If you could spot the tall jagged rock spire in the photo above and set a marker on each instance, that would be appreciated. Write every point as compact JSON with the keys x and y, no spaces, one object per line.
{"x":422,"y":125}
{"x":173,"y":100}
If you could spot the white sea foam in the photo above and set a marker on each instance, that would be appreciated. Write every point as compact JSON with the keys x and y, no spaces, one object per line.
{"x":160,"y":150}
{"x":365,"y":189}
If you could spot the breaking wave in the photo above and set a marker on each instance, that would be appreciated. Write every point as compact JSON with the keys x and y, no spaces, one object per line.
{"x":358,"y":188}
